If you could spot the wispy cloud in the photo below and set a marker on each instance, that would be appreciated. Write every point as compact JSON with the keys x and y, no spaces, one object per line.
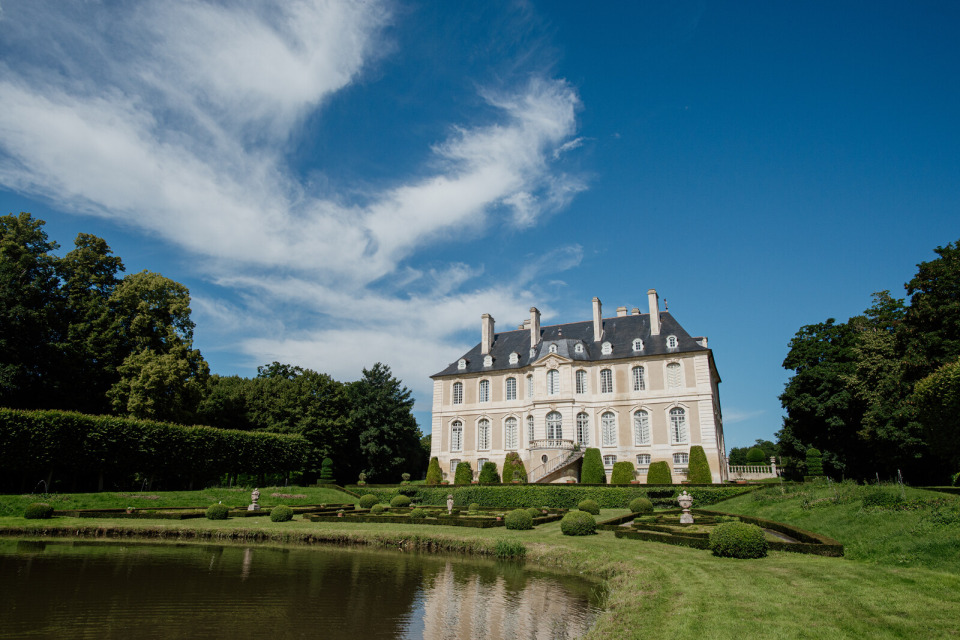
{"x":164,"y":118}
{"x":733,"y":415}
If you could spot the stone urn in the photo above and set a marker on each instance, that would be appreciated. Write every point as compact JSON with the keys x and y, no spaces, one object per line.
{"x":686,"y":501}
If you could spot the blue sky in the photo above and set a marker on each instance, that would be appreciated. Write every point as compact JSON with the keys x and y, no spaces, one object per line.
{"x":341,"y":183}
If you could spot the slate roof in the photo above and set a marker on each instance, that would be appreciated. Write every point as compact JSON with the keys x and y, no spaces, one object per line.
{"x":620,"y":332}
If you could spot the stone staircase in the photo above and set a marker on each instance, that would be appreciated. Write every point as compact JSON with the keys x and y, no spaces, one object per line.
{"x":551,"y":469}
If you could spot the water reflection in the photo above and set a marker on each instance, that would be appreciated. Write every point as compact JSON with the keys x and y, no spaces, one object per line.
{"x":112,"y":590}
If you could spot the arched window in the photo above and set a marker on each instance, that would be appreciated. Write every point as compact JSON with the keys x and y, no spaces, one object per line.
{"x":673,"y":375}
{"x":606,"y":348}
{"x":606,"y":381}
{"x":484,"y":391}
{"x":608,"y":429}
{"x":554,"y":426}
{"x":583,"y":429}
{"x":530,"y":386}
{"x":638,"y":345}
{"x":639,"y":384}
{"x":678,"y":426}
{"x":510,"y":433}
{"x":581,"y":381}
{"x":553,"y":382}
{"x":553,"y":348}
{"x":457,"y":393}
{"x":641,"y":428}
{"x":672,"y":342}
{"x":530,"y":435}
{"x":456,"y":436}
{"x":483,"y":435}
{"x":511,"y":389}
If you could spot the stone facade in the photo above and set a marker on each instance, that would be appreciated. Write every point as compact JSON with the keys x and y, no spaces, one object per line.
{"x":636,"y":386}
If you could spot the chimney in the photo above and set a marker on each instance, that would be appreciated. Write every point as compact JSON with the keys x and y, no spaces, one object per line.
{"x":635,"y":311}
{"x":597,"y":320}
{"x":621,"y":312}
{"x":534,"y":327}
{"x":654,"y":312}
{"x":486,"y":333}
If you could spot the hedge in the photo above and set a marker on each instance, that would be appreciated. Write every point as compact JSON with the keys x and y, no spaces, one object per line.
{"x":623,"y":472}
{"x":659,"y":473}
{"x":64,"y":444}
{"x":699,"y":469}
{"x":591,"y":471}
{"x":738,"y":540}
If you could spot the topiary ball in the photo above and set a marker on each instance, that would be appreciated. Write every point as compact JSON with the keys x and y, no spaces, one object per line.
{"x":281,"y":513}
{"x":518,"y":519}
{"x":217,"y":512}
{"x":367,"y":500}
{"x":418,"y":514}
{"x":738,"y":540}
{"x":377,"y":508}
{"x":641,"y":506}
{"x":400,"y":501}
{"x":590,"y":506}
{"x":38,"y":511}
{"x":578,"y":523}
{"x":473,"y":506}
{"x":534,"y":512}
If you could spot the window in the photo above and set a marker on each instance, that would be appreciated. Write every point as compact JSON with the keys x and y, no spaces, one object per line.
{"x":510,"y":433}
{"x":678,"y":426}
{"x":581,"y":381}
{"x":530,"y":436}
{"x":578,"y":348}
{"x":673,"y":375}
{"x":583,"y":429}
{"x":554,"y":426}
{"x":606,"y":381}
{"x":530,"y":386}
{"x":643,"y":459}
{"x":606,"y":348}
{"x":681,"y":458}
{"x":609,"y":461}
{"x":457,"y":393}
{"x":456,"y":436}
{"x":553,"y":348}
{"x":480,"y":463}
{"x":462,"y":364}
{"x":641,"y":428}
{"x":638,"y":345}
{"x":484,"y":391}
{"x":639,"y":384}
{"x":553,"y":382}
{"x":514,"y":357}
{"x":672,"y":342}
{"x":483,"y":435}
{"x":608,"y":429}
{"x":487,"y":361}
{"x":453,"y":466}
{"x":511,"y":388}
{"x":533,"y":353}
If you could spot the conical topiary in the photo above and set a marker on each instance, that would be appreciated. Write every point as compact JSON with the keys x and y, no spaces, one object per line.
{"x":591,"y":472}
{"x":434,"y":473}
{"x":659,"y":473}
{"x":513,"y":469}
{"x":463,"y":474}
{"x":814,"y":462}
{"x":623,"y":472}
{"x":488,"y":473}
{"x":326,"y":471}
{"x":698,"y":468}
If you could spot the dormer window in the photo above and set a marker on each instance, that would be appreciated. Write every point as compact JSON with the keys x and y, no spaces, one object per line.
{"x":553,"y":348}
{"x":672,"y":342}
{"x":462,"y":364}
{"x":533,"y":353}
{"x":488,"y":361}
{"x":638,"y":345}
{"x":606,"y":349}
{"x":578,"y":348}
{"x":514,"y":358}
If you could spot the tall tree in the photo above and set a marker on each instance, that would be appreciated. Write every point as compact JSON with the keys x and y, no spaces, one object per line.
{"x":937,"y":398}
{"x":932,"y":322}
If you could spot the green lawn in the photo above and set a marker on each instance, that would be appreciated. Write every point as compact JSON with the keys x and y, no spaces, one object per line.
{"x":653,"y":590}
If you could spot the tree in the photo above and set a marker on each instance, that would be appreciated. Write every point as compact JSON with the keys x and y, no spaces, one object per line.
{"x":151,"y":312}
{"x":513,"y":469}
{"x":434,"y":472}
{"x":463,"y":474}
{"x":937,"y":398}
{"x":698,"y":470}
{"x":591,"y":470}
{"x":488,"y":473}
{"x":755,"y":456}
{"x":932,"y":321}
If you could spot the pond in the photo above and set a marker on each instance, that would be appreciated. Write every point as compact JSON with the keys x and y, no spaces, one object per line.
{"x":90,"y":589}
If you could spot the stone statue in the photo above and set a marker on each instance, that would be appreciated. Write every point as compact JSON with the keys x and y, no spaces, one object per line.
{"x":254,"y":499}
{"x":449,"y":504}
{"x":686,"y":501}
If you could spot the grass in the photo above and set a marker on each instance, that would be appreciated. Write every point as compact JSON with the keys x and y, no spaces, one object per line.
{"x":653,"y":590}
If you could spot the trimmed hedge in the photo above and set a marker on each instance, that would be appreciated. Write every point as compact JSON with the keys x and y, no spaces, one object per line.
{"x":534,"y":512}
{"x":659,"y":473}
{"x":513,"y":468}
{"x":738,"y":540}
{"x":488,"y":473}
{"x":281,"y":513}
{"x":590,"y":506}
{"x":434,"y":472}
{"x":38,"y":511}
{"x":591,"y":471}
{"x":578,"y":523}
{"x":418,"y":514}
{"x":640,"y":506}
{"x":882,"y":499}
{"x":377,"y":508}
{"x":217,"y":512}
{"x":518,"y":519}
{"x":698,"y":468}
{"x":464,"y":473}
{"x":368,"y":500}
{"x":400,"y":500}
{"x":814,"y":462}
{"x":473,"y":506}
{"x":623,"y":472}
{"x":326,"y":471}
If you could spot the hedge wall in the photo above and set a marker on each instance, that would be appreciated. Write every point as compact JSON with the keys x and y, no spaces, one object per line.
{"x":562,"y":495}
{"x":38,"y":445}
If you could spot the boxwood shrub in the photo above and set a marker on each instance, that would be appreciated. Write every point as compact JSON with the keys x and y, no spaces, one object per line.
{"x":590,"y":506}
{"x":534,"y":512}
{"x":368,"y":500}
{"x":400,"y":501}
{"x":513,"y":468}
{"x":641,"y":506}
{"x":698,"y":468}
{"x":473,"y":506}
{"x":418,"y":514}
{"x":659,"y":473}
{"x":281,"y":513}
{"x":738,"y":540}
{"x":591,"y":470}
{"x":488,"y":473}
{"x":434,"y":472}
{"x":38,"y":511}
{"x":518,"y":519}
{"x":623,"y":472}
{"x":377,"y":508}
{"x":464,"y":473}
{"x":578,"y":523}
{"x":217,"y":512}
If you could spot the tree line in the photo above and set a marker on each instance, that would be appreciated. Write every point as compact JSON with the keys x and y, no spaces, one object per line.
{"x":77,"y":335}
{"x":879,"y":394}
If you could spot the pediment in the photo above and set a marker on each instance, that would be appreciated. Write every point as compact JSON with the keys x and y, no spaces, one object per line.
{"x":552,"y":360}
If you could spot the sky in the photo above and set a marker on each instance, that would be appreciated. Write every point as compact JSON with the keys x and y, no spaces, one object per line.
{"x":341,"y":183}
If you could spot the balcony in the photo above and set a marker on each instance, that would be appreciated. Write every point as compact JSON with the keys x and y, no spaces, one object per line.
{"x":552,"y":443}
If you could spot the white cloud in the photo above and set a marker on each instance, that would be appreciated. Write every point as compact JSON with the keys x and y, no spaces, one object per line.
{"x":732,"y":416}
